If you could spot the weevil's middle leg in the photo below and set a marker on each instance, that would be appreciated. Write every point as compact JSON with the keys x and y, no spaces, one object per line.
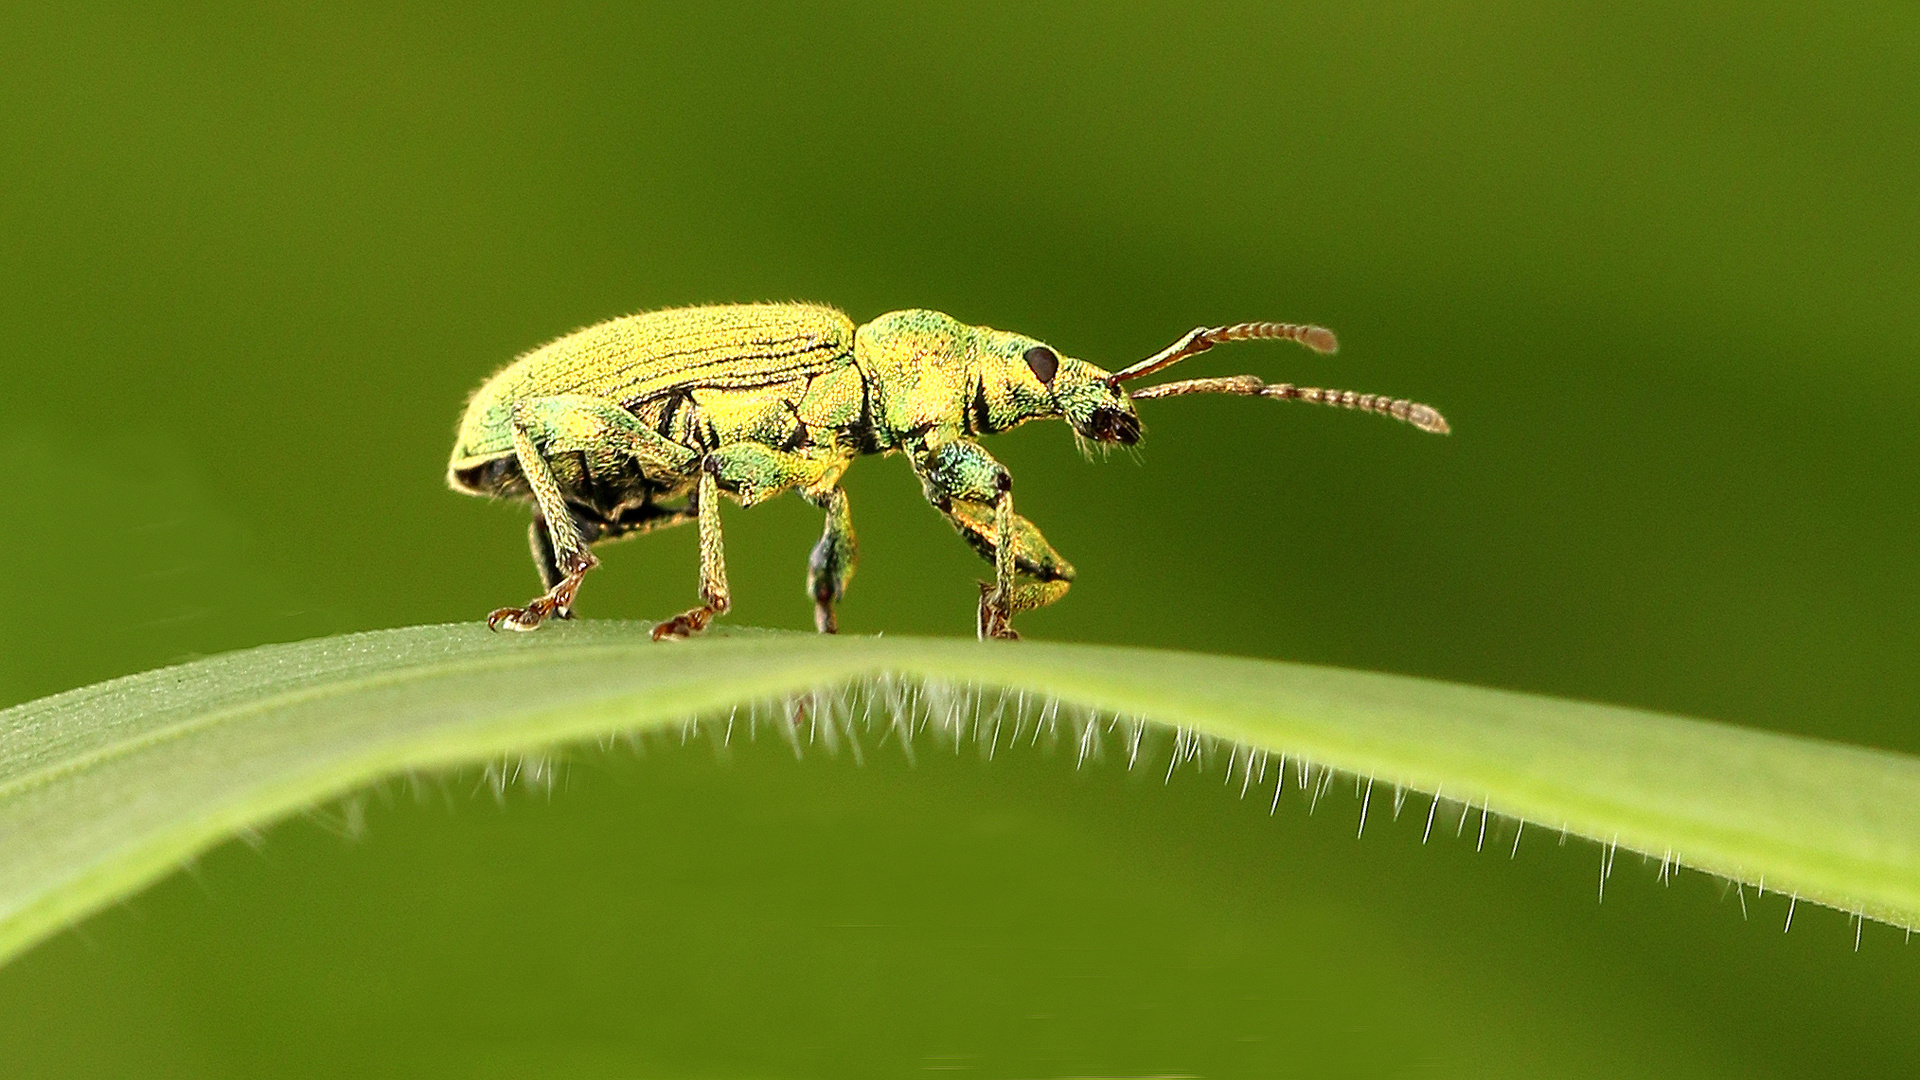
{"x":753,"y":472}
{"x":714,"y":595}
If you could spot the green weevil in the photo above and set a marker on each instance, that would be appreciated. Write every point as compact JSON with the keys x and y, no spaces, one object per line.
{"x":642,"y":422}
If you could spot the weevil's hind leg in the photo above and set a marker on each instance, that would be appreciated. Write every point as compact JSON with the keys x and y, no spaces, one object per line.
{"x":540,"y":542}
{"x":830,"y":566}
{"x":560,"y":547}
{"x":610,"y":437}
{"x":635,"y":521}
{"x":714,"y":596}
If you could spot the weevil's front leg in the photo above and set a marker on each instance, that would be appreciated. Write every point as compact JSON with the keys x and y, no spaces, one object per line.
{"x":609,"y":437}
{"x":975,"y":493}
{"x":830,"y":566}
{"x":566,"y":547}
{"x":1040,"y":575}
{"x":635,"y":521}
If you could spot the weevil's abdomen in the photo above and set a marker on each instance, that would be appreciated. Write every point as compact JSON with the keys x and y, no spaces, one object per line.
{"x":638,"y":358}
{"x":495,"y":477}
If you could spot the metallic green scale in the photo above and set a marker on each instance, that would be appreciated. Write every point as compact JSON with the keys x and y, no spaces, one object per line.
{"x":644,"y":421}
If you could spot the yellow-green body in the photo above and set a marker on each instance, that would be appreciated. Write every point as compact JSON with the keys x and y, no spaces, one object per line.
{"x":643,"y":421}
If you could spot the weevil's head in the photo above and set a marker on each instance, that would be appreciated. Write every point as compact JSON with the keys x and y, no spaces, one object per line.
{"x":1083,"y":395}
{"x":1093,"y":404}
{"x":1060,"y":387}
{"x":996,"y":380}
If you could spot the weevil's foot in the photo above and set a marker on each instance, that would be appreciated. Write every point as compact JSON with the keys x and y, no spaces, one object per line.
{"x":684,"y":625}
{"x":521,"y":618}
{"x":823,"y":618}
{"x":555,"y":603}
{"x":994,"y":621}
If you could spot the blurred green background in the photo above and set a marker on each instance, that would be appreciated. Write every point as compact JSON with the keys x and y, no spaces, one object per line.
{"x":1656,"y":264}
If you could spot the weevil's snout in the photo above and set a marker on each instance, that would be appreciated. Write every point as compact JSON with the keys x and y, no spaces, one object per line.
{"x":1110,"y":425}
{"x":1088,"y":399}
{"x":1101,"y":412}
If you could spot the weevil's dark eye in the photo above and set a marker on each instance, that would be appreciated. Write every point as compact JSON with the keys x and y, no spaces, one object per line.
{"x":1044,"y":362}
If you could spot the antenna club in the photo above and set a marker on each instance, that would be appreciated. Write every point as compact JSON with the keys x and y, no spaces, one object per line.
{"x":1428,"y":418}
{"x":1318,"y":338}
{"x":1201,"y":338}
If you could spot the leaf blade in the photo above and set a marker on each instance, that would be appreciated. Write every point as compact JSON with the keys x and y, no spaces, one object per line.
{"x":107,"y":788}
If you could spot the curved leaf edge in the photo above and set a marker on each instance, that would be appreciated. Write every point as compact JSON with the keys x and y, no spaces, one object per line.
{"x":1082,"y":684}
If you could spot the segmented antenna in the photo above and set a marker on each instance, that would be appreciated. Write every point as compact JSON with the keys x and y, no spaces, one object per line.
{"x":1199,"y":340}
{"x":1424,"y":417}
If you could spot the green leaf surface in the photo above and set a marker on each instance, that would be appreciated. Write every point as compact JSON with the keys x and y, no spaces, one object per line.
{"x":106,"y":788}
